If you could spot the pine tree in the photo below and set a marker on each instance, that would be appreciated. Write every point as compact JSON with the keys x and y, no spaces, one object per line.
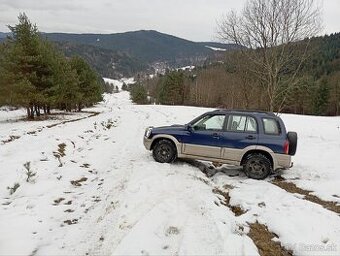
{"x":89,"y":87}
{"x":171,"y":88}
{"x":138,"y":94}
{"x":65,"y":90}
{"x":116,"y":89}
{"x":321,"y":97}
{"x":26,"y":67}
{"x":124,"y":87}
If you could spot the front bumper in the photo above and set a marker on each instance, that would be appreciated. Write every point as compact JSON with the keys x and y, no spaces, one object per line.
{"x":147,"y":143}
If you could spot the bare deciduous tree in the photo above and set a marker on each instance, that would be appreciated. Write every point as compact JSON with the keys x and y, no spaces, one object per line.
{"x":266,"y":29}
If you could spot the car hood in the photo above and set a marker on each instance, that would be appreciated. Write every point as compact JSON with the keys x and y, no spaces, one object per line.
{"x":168,"y":129}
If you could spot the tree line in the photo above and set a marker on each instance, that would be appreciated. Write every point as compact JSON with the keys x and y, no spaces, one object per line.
{"x":34,"y":75}
{"x":231,"y":85}
{"x":280,"y":67}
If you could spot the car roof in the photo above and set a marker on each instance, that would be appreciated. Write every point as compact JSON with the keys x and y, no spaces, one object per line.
{"x":240,"y":111}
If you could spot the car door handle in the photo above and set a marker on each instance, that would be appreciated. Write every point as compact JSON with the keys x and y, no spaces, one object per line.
{"x":250,"y":137}
{"x":216,"y":136}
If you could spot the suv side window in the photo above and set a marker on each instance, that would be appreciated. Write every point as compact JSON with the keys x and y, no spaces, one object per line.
{"x":239,"y":123}
{"x":215,"y":122}
{"x":271,"y":126}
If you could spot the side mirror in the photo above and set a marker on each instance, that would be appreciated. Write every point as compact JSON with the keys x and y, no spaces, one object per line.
{"x":189,"y":127}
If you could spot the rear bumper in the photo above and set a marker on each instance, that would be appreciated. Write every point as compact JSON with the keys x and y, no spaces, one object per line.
{"x":283,"y":161}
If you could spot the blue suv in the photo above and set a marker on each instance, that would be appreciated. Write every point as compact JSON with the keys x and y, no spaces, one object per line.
{"x":256,"y":140}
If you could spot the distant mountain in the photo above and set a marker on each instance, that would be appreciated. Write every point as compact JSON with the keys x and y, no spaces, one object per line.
{"x":3,"y":35}
{"x":124,"y":54}
{"x":146,"y":45}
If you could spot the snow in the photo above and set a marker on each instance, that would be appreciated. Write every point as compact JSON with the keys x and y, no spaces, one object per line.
{"x":216,"y":48}
{"x":120,"y":82}
{"x":189,"y":68}
{"x":121,"y":202}
{"x":317,"y":162}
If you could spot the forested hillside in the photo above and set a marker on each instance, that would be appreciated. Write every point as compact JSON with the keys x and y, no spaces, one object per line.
{"x":146,"y":45}
{"x":230,"y":85}
{"x":319,"y":92}
{"x":108,"y":63}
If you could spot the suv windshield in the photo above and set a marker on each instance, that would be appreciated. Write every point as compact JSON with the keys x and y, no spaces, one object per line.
{"x":214,"y":122}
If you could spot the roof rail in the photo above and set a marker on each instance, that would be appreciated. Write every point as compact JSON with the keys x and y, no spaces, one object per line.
{"x":245,"y":111}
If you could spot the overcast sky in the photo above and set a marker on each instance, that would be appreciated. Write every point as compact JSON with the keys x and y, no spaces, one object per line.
{"x":191,"y":19}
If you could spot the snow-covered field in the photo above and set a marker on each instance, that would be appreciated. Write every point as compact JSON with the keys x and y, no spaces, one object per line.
{"x":97,"y":191}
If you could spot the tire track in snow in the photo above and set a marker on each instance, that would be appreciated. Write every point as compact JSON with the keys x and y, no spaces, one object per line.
{"x":38,"y":130}
{"x":111,"y":220}
{"x":279,"y":181}
{"x":251,"y":215}
{"x":133,"y":217}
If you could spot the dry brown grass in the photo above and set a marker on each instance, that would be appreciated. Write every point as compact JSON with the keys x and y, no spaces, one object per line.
{"x":262,"y":238}
{"x":292,"y":188}
{"x":236,"y":209}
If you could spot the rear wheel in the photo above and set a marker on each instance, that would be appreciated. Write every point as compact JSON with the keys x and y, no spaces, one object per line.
{"x":257,"y":166}
{"x":164,"y":151}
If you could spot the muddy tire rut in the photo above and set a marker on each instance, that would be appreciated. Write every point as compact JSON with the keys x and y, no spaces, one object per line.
{"x":263,"y":239}
{"x":293,"y":189}
{"x":267,"y":242}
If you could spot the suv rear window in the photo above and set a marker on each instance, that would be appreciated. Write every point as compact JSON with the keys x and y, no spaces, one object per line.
{"x":271,"y":126}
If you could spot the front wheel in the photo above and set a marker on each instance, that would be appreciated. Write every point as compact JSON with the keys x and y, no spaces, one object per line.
{"x":257,"y":166}
{"x":164,"y":151}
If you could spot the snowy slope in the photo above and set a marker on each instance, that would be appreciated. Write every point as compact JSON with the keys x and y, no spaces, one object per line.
{"x":119,"y":83}
{"x":216,"y":49}
{"x":317,"y":163}
{"x":98,"y":191}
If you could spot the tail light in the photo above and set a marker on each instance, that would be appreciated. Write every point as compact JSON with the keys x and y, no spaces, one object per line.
{"x":286,"y":147}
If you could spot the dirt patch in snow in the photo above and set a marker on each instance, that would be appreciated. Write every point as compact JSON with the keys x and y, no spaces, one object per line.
{"x":61,"y":149}
{"x":78,"y":183}
{"x":85,"y":165}
{"x":60,"y":153}
{"x":58,"y":201}
{"x":71,"y":222}
{"x":263,"y":239}
{"x":92,"y":114}
{"x":237,"y":210}
{"x":10,"y":139}
{"x":43,"y":118}
{"x":172,"y":231}
{"x":292,"y":188}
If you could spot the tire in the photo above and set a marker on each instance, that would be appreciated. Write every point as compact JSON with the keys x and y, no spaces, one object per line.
{"x":257,"y":166}
{"x":164,"y":151}
{"x":292,"y":138}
